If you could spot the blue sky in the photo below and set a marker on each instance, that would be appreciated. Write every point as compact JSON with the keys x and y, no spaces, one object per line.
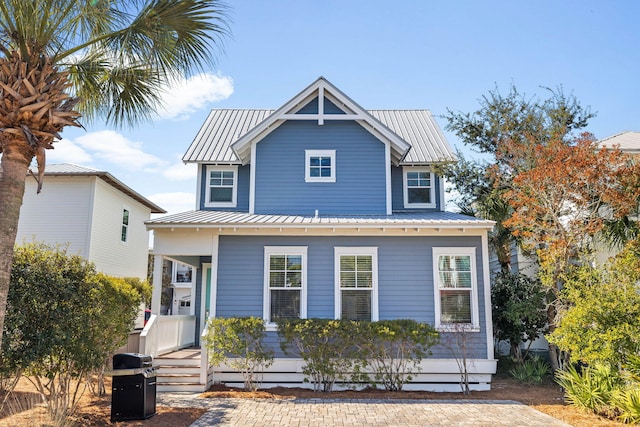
{"x":436,"y":55}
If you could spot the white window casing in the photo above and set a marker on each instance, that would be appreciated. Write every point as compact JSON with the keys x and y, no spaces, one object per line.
{"x":418,"y":187}
{"x":221,"y":183}
{"x":181,"y":273}
{"x":320,"y":165}
{"x":356,"y":272}
{"x":282,"y":276}
{"x":455,"y":289}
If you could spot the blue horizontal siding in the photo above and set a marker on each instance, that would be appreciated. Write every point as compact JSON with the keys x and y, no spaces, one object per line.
{"x":360,"y":170}
{"x":405,"y":277}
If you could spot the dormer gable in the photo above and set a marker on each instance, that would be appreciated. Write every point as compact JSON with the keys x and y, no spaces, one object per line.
{"x":321,"y":101}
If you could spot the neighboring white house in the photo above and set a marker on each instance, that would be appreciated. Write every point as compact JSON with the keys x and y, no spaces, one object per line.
{"x":99,"y":217}
{"x":182,"y":282}
{"x":628,"y":142}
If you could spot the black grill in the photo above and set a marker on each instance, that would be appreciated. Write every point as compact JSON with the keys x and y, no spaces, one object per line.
{"x":133,"y":391}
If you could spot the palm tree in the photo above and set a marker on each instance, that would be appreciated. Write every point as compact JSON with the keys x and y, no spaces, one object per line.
{"x":61,"y":60}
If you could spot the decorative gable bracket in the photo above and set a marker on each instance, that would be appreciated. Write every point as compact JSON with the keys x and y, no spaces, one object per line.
{"x":324,"y":91}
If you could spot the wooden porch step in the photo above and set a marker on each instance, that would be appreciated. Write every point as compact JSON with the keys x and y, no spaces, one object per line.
{"x":179,"y":371}
{"x":180,"y":387}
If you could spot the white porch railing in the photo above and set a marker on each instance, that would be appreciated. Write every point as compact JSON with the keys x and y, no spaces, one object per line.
{"x":149,"y":337}
{"x":163,"y":334}
{"x":204,"y":358}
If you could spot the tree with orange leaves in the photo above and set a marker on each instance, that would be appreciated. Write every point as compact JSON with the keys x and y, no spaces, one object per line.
{"x":562,"y":202}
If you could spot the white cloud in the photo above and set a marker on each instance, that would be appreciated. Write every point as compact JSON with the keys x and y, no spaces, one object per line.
{"x":115,"y":148}
{"x":174,"y":202}
{"x":186,"y":96}
{"x":180,"y":171}
{"x":67,"y":151}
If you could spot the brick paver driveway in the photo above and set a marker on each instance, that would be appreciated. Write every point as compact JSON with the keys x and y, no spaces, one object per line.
{"x":359,"y":412}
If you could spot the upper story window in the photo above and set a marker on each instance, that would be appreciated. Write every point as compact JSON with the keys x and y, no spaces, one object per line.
{"x":222,"y":186}
{"x":124,"y":231}
{"x":181,"y":273}
{"x":356,"y":271}
{"x":285,"y":280}
{"x":418,"y":188}
{"x":456,"y":299}
{"x":320,"y":166}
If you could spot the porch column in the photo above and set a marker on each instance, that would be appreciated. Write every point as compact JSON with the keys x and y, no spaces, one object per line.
{"x":214,"y":275}
{"x":157,"y":284}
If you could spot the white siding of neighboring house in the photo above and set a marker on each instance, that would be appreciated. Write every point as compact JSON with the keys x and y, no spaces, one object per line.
{"x":61,"y":213}
{"x":110,"y":254}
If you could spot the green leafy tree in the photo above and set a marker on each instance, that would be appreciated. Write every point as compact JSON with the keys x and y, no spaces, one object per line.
{"x":561,"y":205}
{"x":61,"y":59}
{"x":519,"y":310}
{"x":501,"y":118}
{"x":240,"y":341}
{"x":64,"y":320}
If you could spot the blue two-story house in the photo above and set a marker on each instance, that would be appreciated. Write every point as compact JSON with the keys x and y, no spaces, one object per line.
{"x":322,"y":209}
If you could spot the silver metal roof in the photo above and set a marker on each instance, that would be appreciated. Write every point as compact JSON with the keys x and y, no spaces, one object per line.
{"x":627,"y":141}
{"x":211,"y":219}
{"x":223,"y":127}
{"x":420,"y":130}
{"x":68,"y":169}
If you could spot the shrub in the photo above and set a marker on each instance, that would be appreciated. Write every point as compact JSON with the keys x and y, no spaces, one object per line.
{"x":519,"y":310}
{"x":393,"y":349}
{"x":532,"y":371}
{"x":63,"y":319}
{"x":592,"y":389}
{"x":628,"y":403}
{"x":326,"y":346}
{"x":239,"y":340}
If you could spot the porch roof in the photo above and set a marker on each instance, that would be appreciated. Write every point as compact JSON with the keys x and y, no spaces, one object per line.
{"x":211,"y":219}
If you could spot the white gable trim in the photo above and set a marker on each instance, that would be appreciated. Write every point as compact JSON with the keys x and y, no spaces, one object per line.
{"x":252,"y":179}
{"x":321,"y":88}
{"x":387,"y":162}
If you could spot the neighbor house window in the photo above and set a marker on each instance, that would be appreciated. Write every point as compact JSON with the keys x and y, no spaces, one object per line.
{"x":456,"y":299}
{"x":222,"y":186}
{"x":356,"y":271}
{"x":182,"y":273}
{"x":285,"y":283}
{"x":418,"y":188}
{"x":124,"y":232}
{"x":320,"y":166}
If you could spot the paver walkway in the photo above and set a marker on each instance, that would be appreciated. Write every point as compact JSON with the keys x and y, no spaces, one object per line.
{"x":359,"y":412}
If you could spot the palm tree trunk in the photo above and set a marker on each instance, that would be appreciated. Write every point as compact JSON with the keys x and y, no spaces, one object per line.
{"x":14,"y":165}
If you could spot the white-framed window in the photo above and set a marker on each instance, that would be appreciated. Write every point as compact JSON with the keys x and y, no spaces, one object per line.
{"x":285,"y":283}
{"x":455,"y":286}
{"x":182,"y":273}
{"x":320,"y":165}
{"x":419,"y":184}
{"x":221,"y":185}
{"x":124,"y":231}
{"x":356,"y":279}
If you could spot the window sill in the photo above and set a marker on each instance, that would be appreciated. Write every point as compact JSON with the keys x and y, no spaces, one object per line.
{"x":271,"y":327}
{"x":458,"y":328}
{"x":220,"y":205}
{"x":307,"y":179}
{"x":419,"y":205}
